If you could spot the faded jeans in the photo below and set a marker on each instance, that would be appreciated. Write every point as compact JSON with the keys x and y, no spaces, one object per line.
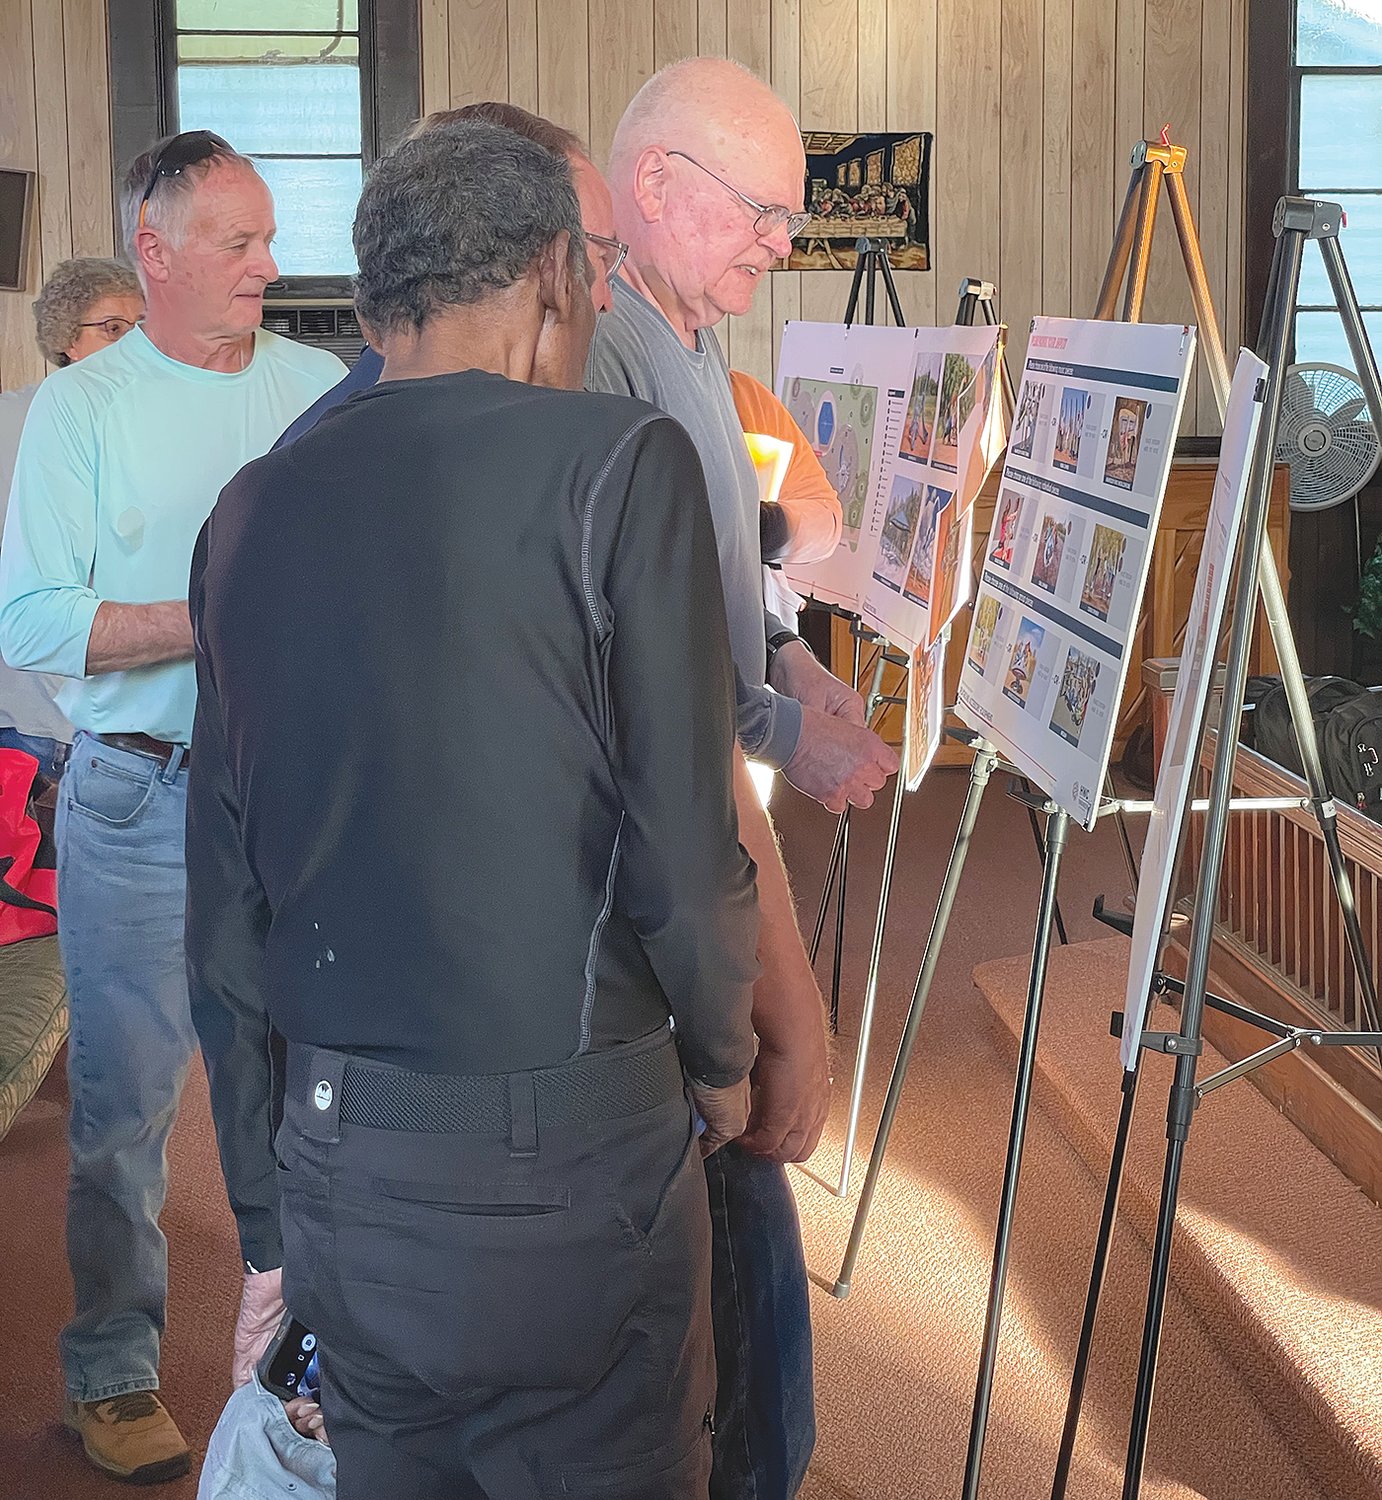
{"x":121,"y":890}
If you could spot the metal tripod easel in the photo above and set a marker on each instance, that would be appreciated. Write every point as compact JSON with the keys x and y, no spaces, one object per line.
{"x":1152,"y":164}
{"x":1296,"y":221}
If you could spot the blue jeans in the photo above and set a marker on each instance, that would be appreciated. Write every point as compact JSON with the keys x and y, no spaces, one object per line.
{"x":765,"y":1412}
{"x":121,"y":891}
{"x":50,"y":754}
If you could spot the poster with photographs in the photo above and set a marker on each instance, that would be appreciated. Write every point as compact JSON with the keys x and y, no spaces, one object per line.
{"x":952,"y":433}
{"x":1067,"y":560}
{"x":925,"y":710}
{"x":848,"y":389}
{"x":1180,"y":754}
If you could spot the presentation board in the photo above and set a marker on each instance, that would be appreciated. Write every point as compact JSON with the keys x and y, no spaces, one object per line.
{"x":1066,"y":564}
{"x":906,"y":425}
{"x":846,"y":388}
{"x":952,"y":433}
{"x":1176,"y":776}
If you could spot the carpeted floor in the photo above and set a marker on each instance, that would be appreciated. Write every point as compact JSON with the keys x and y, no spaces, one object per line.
{"x":896,"y":1362}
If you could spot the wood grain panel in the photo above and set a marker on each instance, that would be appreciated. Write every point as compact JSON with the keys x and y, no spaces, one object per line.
{"x":912,"y":106}
{"x":50,"y":91}
{"x":711,"y":25}
{"x":1172,"y":73}
{"x":88,"y":126}
{"x":1097,"y":178}
{"x":751,"y":341}
{"x":621,"y":62}
{"x":966,"y":173}
{"x":434,"y":40}
{"x":523,"y":54}
{"x":1213,"y":177}
{"x":872,"y":49}
{"x":1035,"y":105}
{"x":479,"y":50}
{"x":676,"y":25}
{"x":1020,"y":189}
{"x":1055,"y":149}
{"x":563,"y":63}
{"x":20,"y":361}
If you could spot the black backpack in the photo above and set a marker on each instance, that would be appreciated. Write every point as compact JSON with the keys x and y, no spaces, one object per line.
{"x":1273,"y":733}
{"x":1348,"y":725}
{"x":1351,"y":748}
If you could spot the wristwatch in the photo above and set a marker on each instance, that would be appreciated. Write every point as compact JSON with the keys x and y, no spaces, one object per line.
{"x":778,"y":640}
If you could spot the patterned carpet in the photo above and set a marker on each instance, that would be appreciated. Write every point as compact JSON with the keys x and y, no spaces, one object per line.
{"x":896,"y":1362}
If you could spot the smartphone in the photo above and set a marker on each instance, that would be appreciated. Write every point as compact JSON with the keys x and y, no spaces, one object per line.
{"x":289,"y":1365}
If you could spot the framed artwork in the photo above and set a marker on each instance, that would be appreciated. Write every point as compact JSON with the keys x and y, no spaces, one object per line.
{"x":876,"y":185}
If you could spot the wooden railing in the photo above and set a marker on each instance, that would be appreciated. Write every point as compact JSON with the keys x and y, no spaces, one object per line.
{"x":1280,"y":947}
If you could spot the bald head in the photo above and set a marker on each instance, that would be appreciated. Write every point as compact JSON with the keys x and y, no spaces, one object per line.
{"x":702,"y":149}
{"x":705,"y":104}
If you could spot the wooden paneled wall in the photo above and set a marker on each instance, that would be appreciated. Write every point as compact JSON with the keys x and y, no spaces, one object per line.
{"x":54,"y":119}
{"x":1035,"y":105}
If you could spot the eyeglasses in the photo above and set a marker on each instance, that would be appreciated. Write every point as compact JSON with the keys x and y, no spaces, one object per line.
{"x":771,"y":216}
{"x":112,"y":328}
{"x":183,"y":151}
{"x":611,"y":253}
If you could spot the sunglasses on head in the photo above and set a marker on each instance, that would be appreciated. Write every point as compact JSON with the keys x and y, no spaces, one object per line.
{"x":183,"y":151}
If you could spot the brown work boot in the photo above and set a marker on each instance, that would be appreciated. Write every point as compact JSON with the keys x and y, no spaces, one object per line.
{"x":131,"y":1437}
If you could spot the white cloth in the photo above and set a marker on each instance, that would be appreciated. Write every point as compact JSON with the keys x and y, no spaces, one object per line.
{"x":26,"y":698}
{"x":255,"y":1453}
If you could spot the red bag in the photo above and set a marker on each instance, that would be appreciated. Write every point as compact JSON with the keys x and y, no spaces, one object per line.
{"x":28,"y":853}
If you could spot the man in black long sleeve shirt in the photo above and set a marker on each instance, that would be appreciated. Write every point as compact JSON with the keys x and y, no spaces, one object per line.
{"x":461,"y":814}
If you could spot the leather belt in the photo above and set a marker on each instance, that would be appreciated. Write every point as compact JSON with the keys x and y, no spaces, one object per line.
{"x":144,"y":744}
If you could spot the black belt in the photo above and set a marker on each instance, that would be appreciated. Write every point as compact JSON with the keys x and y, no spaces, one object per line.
{"x":145,"y":744}
{"x":599,"y":1086}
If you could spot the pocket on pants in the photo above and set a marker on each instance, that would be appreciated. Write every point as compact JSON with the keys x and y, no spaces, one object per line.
{"x":515,"y":1285}
{"x":108,"y":792}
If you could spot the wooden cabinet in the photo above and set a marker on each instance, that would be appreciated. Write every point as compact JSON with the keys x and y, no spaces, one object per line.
{"x":1166,"y":605}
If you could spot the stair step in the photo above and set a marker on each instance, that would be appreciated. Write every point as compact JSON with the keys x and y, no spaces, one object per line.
{"x":1275,"y":1249}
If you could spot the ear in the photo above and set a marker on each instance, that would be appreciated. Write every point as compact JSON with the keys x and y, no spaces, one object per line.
{"x":650,"y":184}
{"x":150,"y":253}
{"x":555,"y":284}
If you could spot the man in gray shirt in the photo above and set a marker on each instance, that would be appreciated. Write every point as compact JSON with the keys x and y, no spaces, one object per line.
{"x":706,"y":172}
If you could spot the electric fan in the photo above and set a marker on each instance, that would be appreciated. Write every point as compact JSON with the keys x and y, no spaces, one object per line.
{"x":1325,"y":435}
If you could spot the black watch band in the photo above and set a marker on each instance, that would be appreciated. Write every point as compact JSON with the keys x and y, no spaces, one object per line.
{"x":778,"y":640}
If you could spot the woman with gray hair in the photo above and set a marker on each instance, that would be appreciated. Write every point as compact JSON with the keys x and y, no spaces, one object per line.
{"x":85,"y":305}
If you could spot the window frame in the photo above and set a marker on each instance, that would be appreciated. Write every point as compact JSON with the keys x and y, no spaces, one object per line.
{"x":143,"y":72}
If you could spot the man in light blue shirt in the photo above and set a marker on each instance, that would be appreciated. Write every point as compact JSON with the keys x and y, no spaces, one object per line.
{"x":120,"y":463}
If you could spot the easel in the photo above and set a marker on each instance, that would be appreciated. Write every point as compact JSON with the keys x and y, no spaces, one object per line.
{"x":974,"y":296}
{"x":1297,"y":220}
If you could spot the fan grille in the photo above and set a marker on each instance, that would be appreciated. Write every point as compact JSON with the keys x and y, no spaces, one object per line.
{"x":1325,"y":436}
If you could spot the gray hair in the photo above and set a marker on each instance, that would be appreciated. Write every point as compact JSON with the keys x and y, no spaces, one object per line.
{"x":69,"y":293}
{"x":171,"y":197}
{"x":454,"y":213}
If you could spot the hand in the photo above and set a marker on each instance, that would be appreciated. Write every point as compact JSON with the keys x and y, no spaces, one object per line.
{"x":261,"y":1311}
{"x":791,"y":1097}
{"x":306,"y":1417}
{"x":725,"y":1112}
{"x":797,"y":674}
{"x":838,"y":762}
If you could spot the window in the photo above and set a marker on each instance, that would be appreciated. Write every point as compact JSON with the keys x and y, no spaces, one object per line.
{"x":1337,"y":92}
{"x":282,"y":81}
{"x":312,"y":90}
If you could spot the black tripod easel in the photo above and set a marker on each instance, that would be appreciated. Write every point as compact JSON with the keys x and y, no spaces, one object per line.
{"x":1296,"y":221}
{"x":1299,"y":219}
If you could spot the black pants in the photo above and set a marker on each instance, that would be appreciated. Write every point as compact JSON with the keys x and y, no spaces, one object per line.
{"x":496,"y":1324}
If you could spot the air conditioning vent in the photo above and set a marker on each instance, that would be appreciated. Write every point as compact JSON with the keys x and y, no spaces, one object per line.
{"x":325,"y":325}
